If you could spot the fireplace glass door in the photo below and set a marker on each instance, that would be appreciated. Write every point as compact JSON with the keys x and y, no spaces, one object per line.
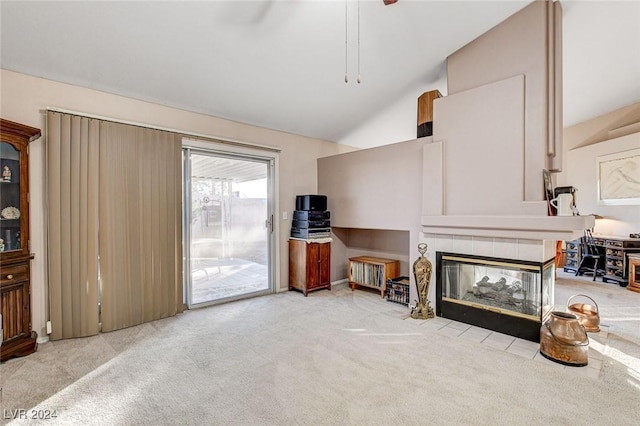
{"x":484,"y":290}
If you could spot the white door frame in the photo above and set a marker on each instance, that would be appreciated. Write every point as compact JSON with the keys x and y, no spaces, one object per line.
{"x":271,"y":157}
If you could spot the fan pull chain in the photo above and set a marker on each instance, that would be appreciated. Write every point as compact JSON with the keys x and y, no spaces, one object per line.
{"x":358,"y":79}
{"x":346,"y":47}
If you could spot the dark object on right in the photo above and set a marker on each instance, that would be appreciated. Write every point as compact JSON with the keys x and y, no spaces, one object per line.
{"x":311,"y":202}
{"x":563,"y":190}
{"x":425,"y":129}
{"x":425,"y":112}
{"x":397,"y":290}
{"x":307,"y":215}
{"x":322,"y":223}
{"x":592,"y":259}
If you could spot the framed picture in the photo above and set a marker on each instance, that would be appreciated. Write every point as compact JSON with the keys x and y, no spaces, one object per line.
{"x":619,"y":178}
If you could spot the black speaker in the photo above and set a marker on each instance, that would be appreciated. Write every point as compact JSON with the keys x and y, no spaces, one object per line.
{"x":322,"y":223}
{"x":307,"y":215}
{"x":311,"y":202}
{"x":425,"y":129}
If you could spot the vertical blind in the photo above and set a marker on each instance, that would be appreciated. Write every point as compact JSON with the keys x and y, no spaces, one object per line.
{"x":140,"y":225}
{"x":115,"y":213}
{"x":72,"y":179}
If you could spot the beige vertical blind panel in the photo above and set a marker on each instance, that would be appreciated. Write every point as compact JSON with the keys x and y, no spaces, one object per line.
{"x":140,"y":225}
{"x":72,"y":180}
{"x":114,"y":224}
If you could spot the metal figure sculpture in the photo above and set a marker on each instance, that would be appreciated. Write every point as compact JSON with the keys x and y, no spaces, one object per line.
{"x":422,"y":274}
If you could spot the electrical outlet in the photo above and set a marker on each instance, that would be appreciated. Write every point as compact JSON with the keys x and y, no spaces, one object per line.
{"x":48,"y":327}
{"x":285,"y":215}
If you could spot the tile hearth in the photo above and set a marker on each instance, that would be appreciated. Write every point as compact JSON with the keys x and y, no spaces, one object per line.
{"x":598,"y":342}
{"x":521,"y":347}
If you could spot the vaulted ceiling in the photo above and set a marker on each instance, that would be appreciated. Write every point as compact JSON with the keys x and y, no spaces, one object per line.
{"x":282,"y":64}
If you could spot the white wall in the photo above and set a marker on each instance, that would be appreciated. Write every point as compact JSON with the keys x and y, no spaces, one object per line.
{"x":375,"y":198}
{"x":616,"y":123}
{"x":581,"y":172}
{"x":394,"y":123}
{"x":24,"y":98}
{"x":606,"y":134}
{"x":485,"y":151}
{"x":520,"y":45}
{"x":385,"y":243}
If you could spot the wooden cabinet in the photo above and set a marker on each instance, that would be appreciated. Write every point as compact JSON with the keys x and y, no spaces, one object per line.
{"x":309,"y":265}
{"x":634,"y":272}
{"x":573,"y":255}
{"x":616,"y":264}
{"x":372,"y":272}
{"x":615,"y":250}
{"x":15,"y":286}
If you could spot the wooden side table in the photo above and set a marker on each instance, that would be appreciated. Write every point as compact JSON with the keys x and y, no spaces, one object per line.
{"x":634,"y":272}
{"x":372,"y":272}
{"x":309,"y":264}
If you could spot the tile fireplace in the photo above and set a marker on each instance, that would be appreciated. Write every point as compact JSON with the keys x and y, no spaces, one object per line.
{"x":509,"y":296}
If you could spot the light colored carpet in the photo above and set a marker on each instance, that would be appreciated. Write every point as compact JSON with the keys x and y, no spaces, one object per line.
{"x":620,"y":311}
{"x":333,"y":358}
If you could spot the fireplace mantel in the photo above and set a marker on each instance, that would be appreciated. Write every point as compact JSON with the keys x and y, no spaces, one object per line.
{"x":522,"y":227}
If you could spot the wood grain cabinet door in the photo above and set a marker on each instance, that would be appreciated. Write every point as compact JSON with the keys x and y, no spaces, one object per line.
{"x":15,"y":311}
{"x":325,"y":264}
{"x":313,"y":265}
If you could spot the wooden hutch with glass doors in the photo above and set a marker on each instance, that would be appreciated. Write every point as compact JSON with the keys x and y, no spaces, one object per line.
{"x":15,"y":257}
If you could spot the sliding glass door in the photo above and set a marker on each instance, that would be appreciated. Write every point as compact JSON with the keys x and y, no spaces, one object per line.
{"x":228,"y":226}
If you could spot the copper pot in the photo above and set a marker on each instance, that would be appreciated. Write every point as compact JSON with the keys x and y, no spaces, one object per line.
{"x":563,"y":339}
{"x":588,"y":315}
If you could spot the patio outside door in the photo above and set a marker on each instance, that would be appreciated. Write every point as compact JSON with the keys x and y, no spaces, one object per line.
{"x":228,"y":228}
